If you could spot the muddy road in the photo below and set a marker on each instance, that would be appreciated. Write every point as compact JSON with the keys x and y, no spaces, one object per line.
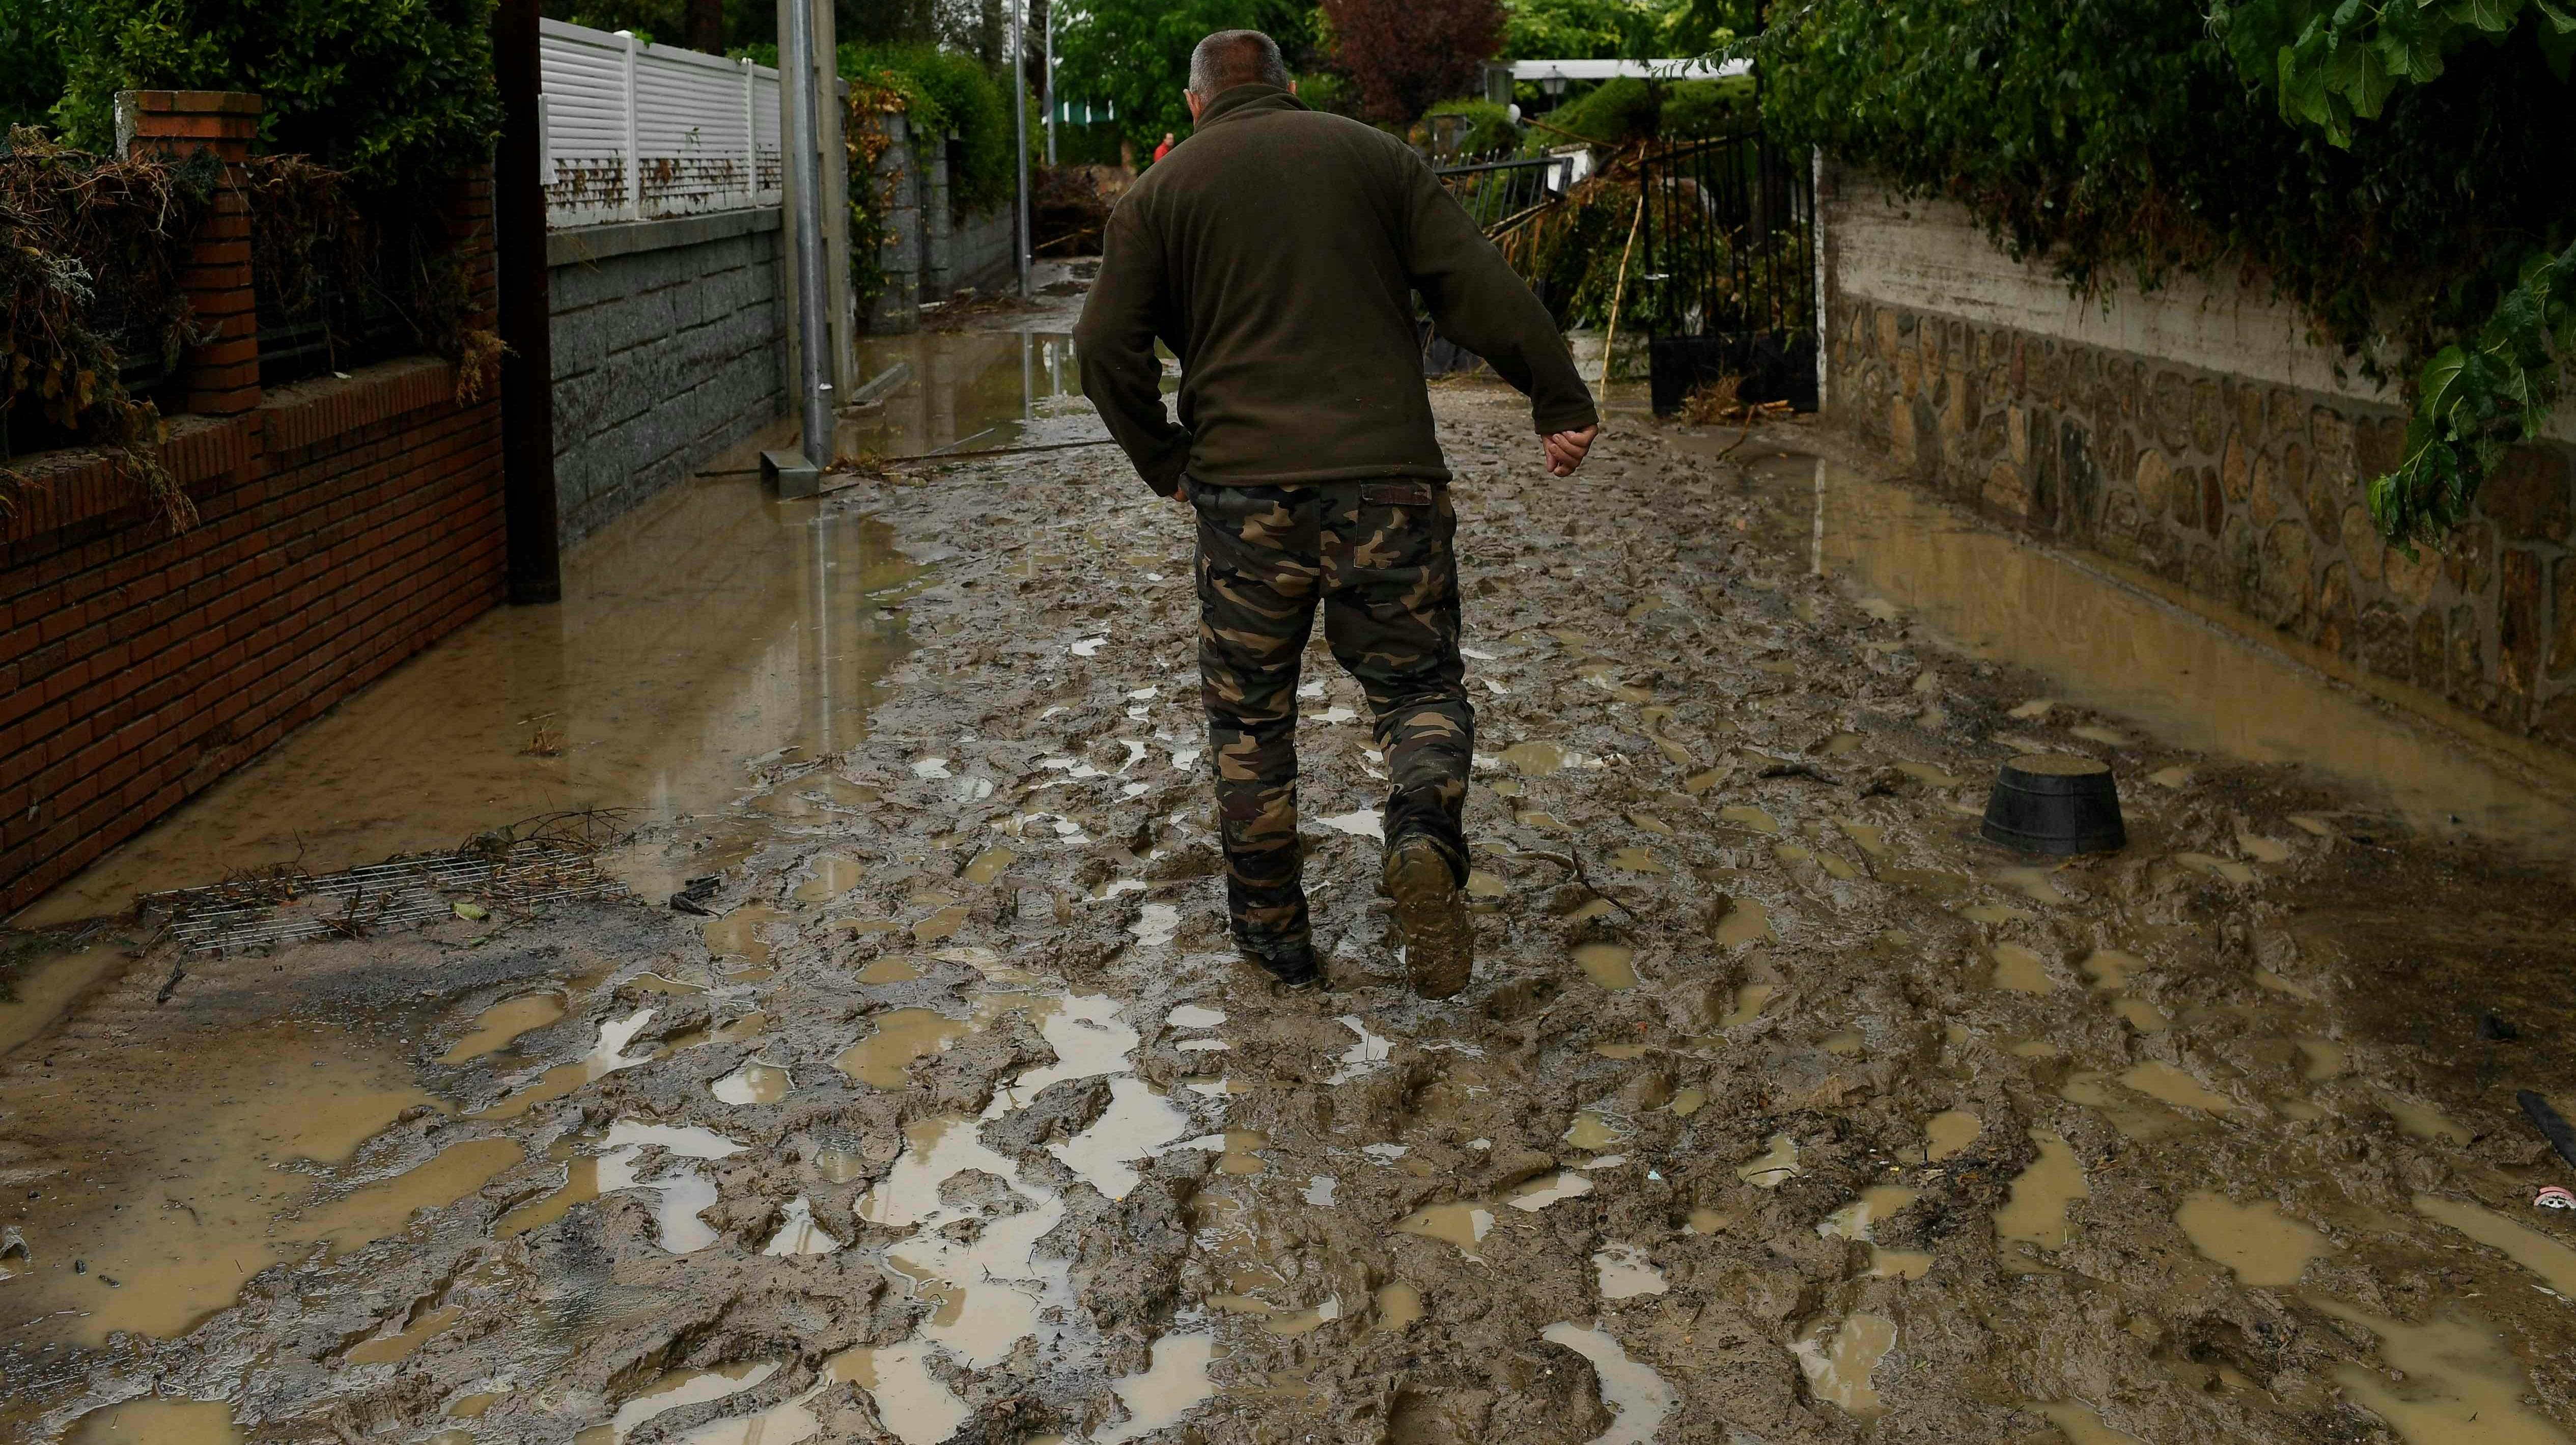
{"x":1780,"y":1109}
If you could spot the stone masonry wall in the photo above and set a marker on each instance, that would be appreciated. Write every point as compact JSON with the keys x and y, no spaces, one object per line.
{"x":2246,"y":493}
{"x":669,"y":347}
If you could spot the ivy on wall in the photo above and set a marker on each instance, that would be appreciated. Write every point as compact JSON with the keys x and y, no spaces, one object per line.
{"x":2124,"y":140}
{"x":2334,"y":68}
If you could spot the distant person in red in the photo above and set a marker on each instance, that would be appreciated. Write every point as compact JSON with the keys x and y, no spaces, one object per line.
{"x":1165,"y":148}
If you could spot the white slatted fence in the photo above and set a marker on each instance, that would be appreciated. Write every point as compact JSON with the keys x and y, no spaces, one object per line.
{"x":635,"y":131}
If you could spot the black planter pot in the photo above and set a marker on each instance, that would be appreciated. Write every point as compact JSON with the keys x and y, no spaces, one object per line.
{"x":2055,"y":803}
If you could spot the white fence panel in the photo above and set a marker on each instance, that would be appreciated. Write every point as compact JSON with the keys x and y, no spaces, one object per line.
{"x":637,"y":131}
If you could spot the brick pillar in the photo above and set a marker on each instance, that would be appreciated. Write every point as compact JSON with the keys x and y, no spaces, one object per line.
{"x":470,"y":229}
{"x":221,"y":377}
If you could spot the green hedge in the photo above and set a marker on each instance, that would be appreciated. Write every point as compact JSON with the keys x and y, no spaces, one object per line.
{"x":944,"y":91}
{"x":1489,"y":127}
{"x":393,"y":92}
{"x":1619,"y":112}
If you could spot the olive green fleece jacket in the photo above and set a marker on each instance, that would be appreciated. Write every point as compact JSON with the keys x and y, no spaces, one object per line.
{"x":1275,"y":252}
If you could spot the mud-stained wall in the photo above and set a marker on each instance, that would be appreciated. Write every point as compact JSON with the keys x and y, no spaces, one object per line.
{"x":344,"y":525}
{"x":669,"y":347}
{"x":2196,"y":435}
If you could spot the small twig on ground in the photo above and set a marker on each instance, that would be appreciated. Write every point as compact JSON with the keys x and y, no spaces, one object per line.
{"x":1572,"y":862}
{"x":580,"y":830}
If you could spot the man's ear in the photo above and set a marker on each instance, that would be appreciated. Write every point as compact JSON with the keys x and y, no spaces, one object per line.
{"x":1196,"y":104}
{"x":1292,"y":85}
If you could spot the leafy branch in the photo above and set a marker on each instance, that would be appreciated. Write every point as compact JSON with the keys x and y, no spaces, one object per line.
{"x":2333,"y":65}
{"x":2336,"y":63}
{"x":2474,"y":401}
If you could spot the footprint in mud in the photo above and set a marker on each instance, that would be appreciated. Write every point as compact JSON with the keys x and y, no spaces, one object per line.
{"x":1637,"y":1397}
{"x":671,"y":1392}
{"x":1174,"y":1381}
{"x":2264,"y":1249}
{"x":2035,"y":1212}
{"x":1622,"y":1271}
{"x":2455,"y":1379}
{"x":1839,"y":1362}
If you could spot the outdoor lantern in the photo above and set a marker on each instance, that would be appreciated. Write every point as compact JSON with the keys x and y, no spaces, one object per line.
{"x":1553,"y":83}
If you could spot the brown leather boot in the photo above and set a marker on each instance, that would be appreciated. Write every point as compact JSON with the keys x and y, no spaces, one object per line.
{"x":1430,"y":907}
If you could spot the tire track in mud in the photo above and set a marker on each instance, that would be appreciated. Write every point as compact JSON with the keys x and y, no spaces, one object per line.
{"x":1779,"y":1108}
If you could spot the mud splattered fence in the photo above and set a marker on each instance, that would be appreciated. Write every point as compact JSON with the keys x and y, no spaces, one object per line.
{"x":345,"y":524}
{"x":2195,"y":435}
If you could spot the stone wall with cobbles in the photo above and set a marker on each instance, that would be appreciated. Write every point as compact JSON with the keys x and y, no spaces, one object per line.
{"x":2246,"y":492}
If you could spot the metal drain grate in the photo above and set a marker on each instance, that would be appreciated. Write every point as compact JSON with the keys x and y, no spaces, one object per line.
{"x":249,"y":913}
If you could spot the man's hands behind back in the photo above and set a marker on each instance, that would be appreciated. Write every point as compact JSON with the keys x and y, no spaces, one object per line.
{"x":1565,"y":449}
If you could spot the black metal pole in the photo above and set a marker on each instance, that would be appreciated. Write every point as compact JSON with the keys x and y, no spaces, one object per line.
{"x":527,"y":367}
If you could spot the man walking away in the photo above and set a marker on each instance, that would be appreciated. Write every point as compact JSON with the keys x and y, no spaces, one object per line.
{"x":1276,"y":254}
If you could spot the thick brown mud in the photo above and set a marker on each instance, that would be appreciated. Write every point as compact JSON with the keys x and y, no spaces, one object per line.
{"x":1780,"y":1108}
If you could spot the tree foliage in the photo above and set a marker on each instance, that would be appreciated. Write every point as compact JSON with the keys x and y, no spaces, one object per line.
{"x":944,"y":92}
{"x":1402,"y":55}
{"x":1135,"y":55}
{"x":2121,"y":140}
{"x":1604,"y":29}
{"x":395,"y":93}
{"x":2332,"y":68}
{"x":31,"y":59}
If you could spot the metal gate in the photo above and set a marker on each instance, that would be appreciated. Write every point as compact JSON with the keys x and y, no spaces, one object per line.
{"x":1728,"y":270}
{"x":1501,"y":196}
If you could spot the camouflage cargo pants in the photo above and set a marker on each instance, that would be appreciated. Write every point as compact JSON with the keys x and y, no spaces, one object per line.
{"x":1377,"y":555}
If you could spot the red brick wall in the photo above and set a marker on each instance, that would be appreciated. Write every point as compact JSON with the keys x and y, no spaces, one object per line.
{"x":344,"y":525}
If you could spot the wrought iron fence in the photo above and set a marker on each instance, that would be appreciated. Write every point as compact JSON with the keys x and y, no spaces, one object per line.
{"x":347,"y":323}
{"x":1500,"y":193}
{"x":1726,"y":280}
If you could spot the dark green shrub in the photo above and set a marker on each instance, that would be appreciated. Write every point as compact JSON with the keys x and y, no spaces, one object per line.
{"x":1488,"y":127}
{"x":396,"y":93}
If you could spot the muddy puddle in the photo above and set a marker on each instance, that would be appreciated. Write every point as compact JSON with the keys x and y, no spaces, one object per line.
{"x":149,"y":1208}
{"x":2111,"y":646}
{"x":969,"y":391}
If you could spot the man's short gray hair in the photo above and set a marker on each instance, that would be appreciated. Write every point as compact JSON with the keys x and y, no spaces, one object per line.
{"x":1235,"y":57}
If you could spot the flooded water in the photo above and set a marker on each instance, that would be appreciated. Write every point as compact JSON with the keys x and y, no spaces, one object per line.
{"x":2115,"y":647}
{"x":2252,"y":1239}
{"x":970,"y":391}
{"x":2035,"y":1213}
{"x":192,"y":1164}
{"x":46,"y":981}
{"x":710,"y":628}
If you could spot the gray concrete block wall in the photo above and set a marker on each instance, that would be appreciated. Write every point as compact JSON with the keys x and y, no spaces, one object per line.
{"x":984,"y":247}
{"x":930,"y":254}
{"x":899,"y":189}
{"x":669,"y":348}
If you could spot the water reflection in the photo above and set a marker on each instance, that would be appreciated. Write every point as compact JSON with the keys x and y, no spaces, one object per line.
{"x":710,"y":627}
{"x":2115,"y":648}
{"x":969,"y":392}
